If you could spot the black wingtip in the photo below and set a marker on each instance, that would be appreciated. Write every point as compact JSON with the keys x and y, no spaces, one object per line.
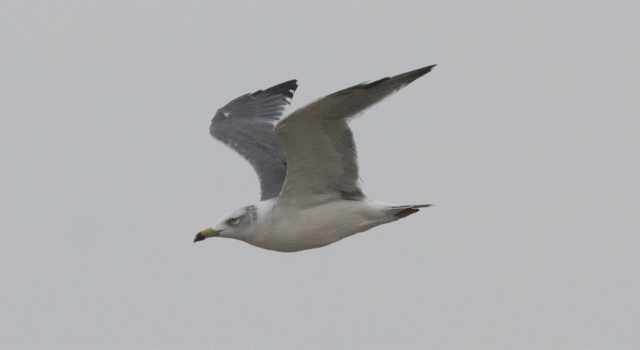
{"x":415,"y":74}
{"x":404,"y":78}
{"x":286,"y":89}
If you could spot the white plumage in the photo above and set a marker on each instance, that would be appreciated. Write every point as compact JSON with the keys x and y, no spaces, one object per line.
{"x":307,"y":166}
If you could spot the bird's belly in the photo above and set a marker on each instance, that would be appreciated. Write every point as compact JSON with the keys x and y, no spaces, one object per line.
{"x":320,"y":226}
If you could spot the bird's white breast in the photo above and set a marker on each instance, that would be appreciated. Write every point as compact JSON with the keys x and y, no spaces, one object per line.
{"x":291,"y":229}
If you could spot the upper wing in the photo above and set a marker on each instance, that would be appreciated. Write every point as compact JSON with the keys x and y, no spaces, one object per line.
{"x":246,"y":126}
{"x":321,"y":154}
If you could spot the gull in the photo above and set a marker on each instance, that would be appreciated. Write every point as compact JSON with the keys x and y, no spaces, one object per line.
{"x":307,"y":167}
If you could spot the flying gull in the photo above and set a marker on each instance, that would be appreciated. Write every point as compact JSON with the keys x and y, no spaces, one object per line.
{"x":307,"y":166}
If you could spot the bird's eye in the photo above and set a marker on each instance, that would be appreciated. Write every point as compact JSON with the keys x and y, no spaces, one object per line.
{"x":232,"y":220}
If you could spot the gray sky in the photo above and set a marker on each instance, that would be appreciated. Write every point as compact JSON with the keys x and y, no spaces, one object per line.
{"x":525,"y":136}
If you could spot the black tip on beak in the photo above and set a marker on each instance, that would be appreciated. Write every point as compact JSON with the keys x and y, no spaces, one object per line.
{"x":199,"y":237}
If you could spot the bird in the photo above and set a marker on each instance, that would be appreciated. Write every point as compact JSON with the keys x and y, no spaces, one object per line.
{"x":306,"y":163}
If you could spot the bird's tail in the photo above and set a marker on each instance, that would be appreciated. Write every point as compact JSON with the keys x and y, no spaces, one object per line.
{"x":402,"y":211}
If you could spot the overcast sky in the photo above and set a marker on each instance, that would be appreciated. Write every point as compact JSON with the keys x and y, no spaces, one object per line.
{"x":526,"y":137}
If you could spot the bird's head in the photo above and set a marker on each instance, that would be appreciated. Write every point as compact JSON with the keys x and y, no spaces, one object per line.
{"x":233,"y":225}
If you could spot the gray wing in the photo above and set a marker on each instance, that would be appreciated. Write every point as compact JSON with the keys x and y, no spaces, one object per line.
{"x":321,"y":154}
{"x":246,"y":126}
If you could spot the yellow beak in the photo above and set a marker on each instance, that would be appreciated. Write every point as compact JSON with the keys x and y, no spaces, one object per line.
{"x":204,"y":234}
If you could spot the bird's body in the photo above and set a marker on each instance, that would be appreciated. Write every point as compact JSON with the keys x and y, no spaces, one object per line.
{"x":291,"y":229}
{"x":307,"y":166}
